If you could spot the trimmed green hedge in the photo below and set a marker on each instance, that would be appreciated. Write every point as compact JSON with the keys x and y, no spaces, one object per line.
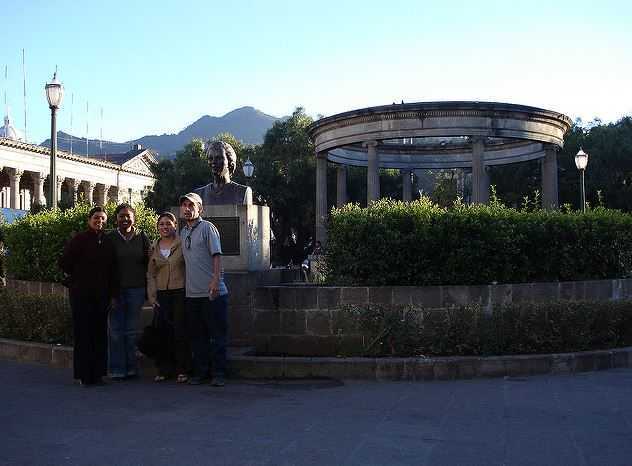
{"x":35,"y":242}
{"x":44,"y":319}
{"x":557,"y":327}
{"x":420,"y":243}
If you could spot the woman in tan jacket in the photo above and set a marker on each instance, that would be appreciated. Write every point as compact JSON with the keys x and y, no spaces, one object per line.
{"x":165,"y":290}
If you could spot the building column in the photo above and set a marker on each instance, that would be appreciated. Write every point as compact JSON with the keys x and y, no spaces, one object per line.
{"x":101,"y":194}
{"x":38,"y":188}
{"x":372,"y":172}
{"x":341,"y":185}
{"x":321,"y":197}
{"x":549,"y":177}
{"x":74,"y":186}
{"x":14,"y":187}
{"x":407,"y":185}
{"x":60,"y":184}
{"x":89,"y":189}
{"x":480,"y":177}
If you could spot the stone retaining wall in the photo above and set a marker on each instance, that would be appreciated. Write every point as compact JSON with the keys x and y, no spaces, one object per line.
{"x":306,"y":321}
{"x":242,"y":288}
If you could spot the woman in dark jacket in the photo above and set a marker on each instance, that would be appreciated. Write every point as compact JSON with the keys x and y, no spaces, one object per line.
{"x":88,"y":262}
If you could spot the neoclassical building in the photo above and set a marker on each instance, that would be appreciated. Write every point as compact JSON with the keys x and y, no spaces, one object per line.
{"x":24,"y":174}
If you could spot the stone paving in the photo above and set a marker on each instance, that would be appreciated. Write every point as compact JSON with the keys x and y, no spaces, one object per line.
{"x":582,"y":419}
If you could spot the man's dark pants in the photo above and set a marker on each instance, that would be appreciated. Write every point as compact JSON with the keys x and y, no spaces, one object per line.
{"x":208,"y":319}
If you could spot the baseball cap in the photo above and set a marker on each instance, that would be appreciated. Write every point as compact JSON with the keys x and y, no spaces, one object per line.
{"x":193,"y":197}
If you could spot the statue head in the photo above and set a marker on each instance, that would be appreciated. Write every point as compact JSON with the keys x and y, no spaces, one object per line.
{"x":222,"y":158}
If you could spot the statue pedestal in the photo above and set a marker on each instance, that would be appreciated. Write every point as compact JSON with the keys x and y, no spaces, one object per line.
{"x":245,"y":235}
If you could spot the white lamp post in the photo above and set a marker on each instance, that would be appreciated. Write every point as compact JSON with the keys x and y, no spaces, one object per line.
{"x":54,"y":95}
{"x":581,"y":160}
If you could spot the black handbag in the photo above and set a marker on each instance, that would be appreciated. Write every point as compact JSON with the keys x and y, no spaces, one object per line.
{"x":154,"y":341}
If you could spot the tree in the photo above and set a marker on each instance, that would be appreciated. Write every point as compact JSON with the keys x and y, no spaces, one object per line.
{"x":189,"y":170}
{"x":285,"y":180}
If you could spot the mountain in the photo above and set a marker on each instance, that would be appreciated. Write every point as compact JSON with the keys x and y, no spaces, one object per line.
{"x":246,"y":124}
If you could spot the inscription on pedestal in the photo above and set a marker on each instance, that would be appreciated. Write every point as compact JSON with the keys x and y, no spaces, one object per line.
{"x":228,"y":228}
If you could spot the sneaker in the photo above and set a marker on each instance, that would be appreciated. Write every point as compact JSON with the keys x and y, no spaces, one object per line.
{"x":218,"y":381}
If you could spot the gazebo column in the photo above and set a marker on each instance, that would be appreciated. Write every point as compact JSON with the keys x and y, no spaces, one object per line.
{"x":549,"y":177}
{"x":407,"y":185}
{"x":372,"y":172}
{"x":480,"y":177}
{"x":341,"y":185}
{"x":14,"y":187}
{"x":321,"y":197}
{"x":38,"y":188}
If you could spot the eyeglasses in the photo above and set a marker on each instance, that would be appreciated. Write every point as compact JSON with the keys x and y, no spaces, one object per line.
{"x":187,"y":240}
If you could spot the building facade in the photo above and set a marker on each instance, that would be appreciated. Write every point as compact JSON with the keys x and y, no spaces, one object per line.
{"x":25,"y":168}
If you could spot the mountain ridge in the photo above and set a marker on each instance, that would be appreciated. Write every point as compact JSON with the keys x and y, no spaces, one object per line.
{"x":246,"y":123}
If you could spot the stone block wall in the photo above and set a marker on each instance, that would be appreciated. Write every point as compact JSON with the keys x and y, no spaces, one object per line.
{"x":307,"y":320}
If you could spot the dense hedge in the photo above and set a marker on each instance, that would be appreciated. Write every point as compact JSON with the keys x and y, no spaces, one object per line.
{"x":419,"y":243}
{"x":2,"y":260}
{"x":45,"y":319}
{"x":35,"y":242}
{"x":556,"y":327}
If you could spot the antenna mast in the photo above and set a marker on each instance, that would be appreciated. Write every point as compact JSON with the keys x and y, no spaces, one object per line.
{"x":87,"y":119}
{"x":101,"y":134}
{"x":24,"y":87}
{"x":72,"y":102}
{"x":6,"y":85}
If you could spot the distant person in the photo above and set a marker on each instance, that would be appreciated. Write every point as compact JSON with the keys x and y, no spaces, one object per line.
{"x":165,"y":291}
{"x":131,"y":249}
{"x":222,"y":190}
{"x":88,"y":263}
{"x":318,"y":249}
{"x":206,"y":293}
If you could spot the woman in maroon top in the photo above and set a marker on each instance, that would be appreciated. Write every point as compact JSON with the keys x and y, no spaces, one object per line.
{"x":88,"y":262}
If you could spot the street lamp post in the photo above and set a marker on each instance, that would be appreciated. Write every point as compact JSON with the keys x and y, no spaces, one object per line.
{"x":54,"y":95}
{"x":581,"y":160}
{"x":249,"y":168}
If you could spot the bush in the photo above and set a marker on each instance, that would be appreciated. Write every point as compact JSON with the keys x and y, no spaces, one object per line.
{"x":34,"y":243}
{"x":557,"y":327}
{"x":420,"y":243}
{"x":45,"y":319}
{"x":2,"y":259}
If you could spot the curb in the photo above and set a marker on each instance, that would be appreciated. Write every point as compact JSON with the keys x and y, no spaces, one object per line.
{"x":377,"y":369}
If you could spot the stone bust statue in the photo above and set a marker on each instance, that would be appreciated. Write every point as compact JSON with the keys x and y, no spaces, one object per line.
{"x":222,"y":190}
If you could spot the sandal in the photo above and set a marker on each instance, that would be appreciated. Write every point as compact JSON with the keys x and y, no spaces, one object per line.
{"x":160,"y":378}
{"x":182,"y":378}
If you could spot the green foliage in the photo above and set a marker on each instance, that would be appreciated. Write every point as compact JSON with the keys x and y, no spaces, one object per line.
{"x":2,"y":259}
{"x":189,"y":170}
{"x":609,"y":168}
{"x":35,"y":242}
{"x":528,"y":328}
{"x":420,"y":243}
{"x":284,"y":179}
{"x":45,"y":319}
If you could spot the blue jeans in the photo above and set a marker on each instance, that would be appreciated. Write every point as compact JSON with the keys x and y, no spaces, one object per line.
{"x":208,"y":319}
{"x":123,"y":323}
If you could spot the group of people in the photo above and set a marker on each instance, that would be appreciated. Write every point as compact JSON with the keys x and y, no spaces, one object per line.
{"x":111,"y":275}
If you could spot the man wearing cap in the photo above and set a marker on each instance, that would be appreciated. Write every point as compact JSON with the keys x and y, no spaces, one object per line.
{"x":206,"y":292}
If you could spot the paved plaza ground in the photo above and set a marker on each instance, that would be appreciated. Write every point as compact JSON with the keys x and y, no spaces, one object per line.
{"x":583,"y":419}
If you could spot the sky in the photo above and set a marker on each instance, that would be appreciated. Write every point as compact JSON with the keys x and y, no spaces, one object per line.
{"x":155,"y":67}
